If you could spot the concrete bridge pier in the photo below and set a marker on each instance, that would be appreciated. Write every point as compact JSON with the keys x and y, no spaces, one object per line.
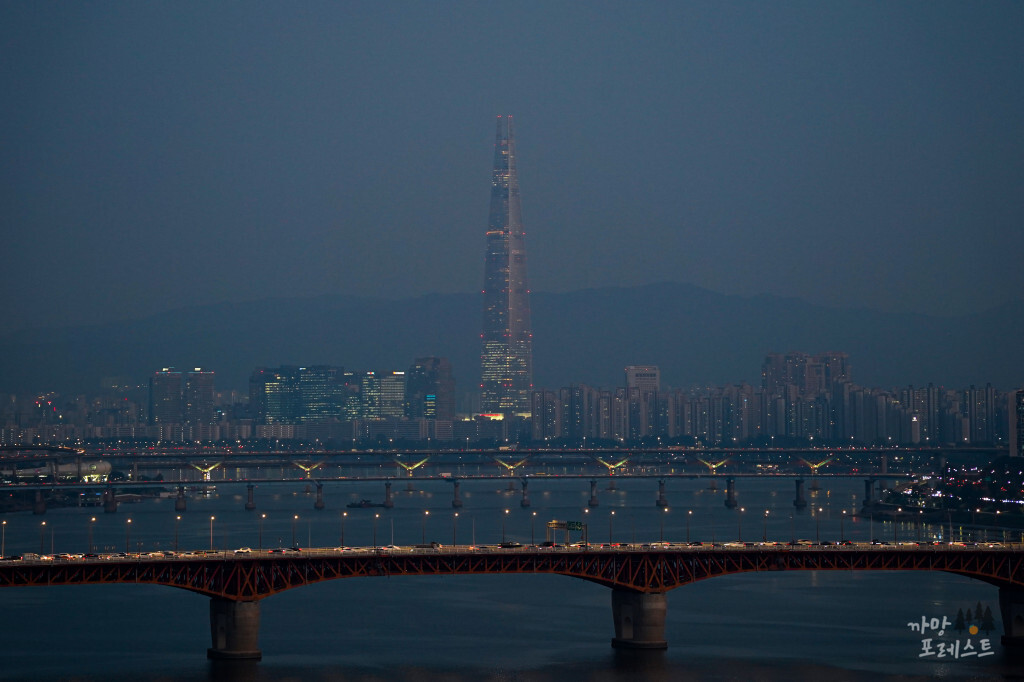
{"x":456,"y":500}
{"x":639,"y":619}
{"x":109,"y":501}
{"x":388,"y":502}
{"x":592,"y":502}
{"x":525,"y":502}
{"x":235,"y":629}
{"x":1012,"y":610}
{"x":869,"y":492}
{"x":661,"y":501}
{"x":611,"y":483}
{"x":1011,"y":607}
{"x":800,"y":502}
{"x":179,"y":502}
{"x":250,"y":499}
{"x":39,"y":504}
{"x":730,"y":493}
{"x":511,"y":486}
{"x":319,"y":504}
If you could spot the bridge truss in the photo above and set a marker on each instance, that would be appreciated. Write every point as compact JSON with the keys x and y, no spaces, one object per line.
{"x":253,"y":577}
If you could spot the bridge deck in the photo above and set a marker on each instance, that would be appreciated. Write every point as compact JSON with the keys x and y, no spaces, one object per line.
{"x":648,"y":568}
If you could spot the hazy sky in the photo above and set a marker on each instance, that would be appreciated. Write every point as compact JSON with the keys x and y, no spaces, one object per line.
{"x":160,"y":155}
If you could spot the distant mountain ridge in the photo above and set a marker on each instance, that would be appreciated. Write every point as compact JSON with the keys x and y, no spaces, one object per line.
{"x":696,"y":336}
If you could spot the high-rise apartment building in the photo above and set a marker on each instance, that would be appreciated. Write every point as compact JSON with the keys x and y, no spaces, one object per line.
{"x":643,"y":382}
{"x":506,"y":357}
{"x":197,"y":397}
{"x":165,"y":404}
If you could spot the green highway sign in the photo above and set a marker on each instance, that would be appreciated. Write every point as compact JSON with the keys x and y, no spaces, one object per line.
{"x":574,"y":525}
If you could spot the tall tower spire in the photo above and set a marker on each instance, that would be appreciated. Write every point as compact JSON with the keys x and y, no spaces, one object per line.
{"x":506,"y":358}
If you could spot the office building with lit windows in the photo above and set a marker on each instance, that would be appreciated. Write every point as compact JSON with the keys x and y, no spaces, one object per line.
{"x":506,"y":355}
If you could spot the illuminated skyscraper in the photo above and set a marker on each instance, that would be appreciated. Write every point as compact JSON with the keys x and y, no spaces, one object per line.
{"x":165,"y":405}
{"x":506,"y":358}
{"x":197,"y":397}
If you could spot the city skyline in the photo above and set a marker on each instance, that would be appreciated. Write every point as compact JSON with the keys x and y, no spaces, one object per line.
{"x":803,"y":399}
{"x":862,"y":156}
{"x":696,"y":338}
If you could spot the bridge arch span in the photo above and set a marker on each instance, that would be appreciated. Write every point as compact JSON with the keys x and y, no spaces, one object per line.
{"x":257,"y":576}
{"x":639,"y":579}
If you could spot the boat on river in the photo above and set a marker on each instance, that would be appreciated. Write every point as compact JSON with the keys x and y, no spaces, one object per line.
{"x":365,"y":504}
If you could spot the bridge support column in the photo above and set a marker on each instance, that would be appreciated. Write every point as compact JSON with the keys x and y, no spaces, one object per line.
{"x":456,"y":500}
{"x":639,"y":619}
{"x":250,"y":500}
{"x":800,"y":502}
{"x":235,"y":629}
{"x":109,"y":501}
{"x":525,"y":502}
{"x":511,"y":486}
{"x":592,"y":502}
{"x":39,"y":504}
{"x":730,"y":493}
{"x":611,"y":483}
{"x":319,"y":504}
{"x":1011,"y":607}
{"x":179,"y":502}
{"x":661,"y":501}
{"x":869,"y":492}
{"x":388,"y":502}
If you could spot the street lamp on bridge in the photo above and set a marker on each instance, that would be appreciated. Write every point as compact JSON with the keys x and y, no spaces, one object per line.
{"x":42,"y":538}
{"x":127,"y":534}
{"x":739,"y":525}
{"x":611,"y":519}
{"x":533,"y":525}
{"x":294,"y":521}
{"x":764,"y":532}
{"x":3,"y":539}
{"x":211,"y":531}
{"x":91,"y":522}
{"x":177,"y":520}
{"x":689,"y":515}
{"x":503,"y":517}
{"x":662,"y":532}
{"x":842,"y":527}
{"x":262,"y":519}
{"x":344,"y":515}
{"x":423,"y":530}
{"x":455,"y":527}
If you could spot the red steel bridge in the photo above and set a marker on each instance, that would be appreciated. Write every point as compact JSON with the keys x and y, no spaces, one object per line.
{"x":639,"y":576}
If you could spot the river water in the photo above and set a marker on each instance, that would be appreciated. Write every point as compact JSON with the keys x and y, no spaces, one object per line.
{"x":777,"y":626}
